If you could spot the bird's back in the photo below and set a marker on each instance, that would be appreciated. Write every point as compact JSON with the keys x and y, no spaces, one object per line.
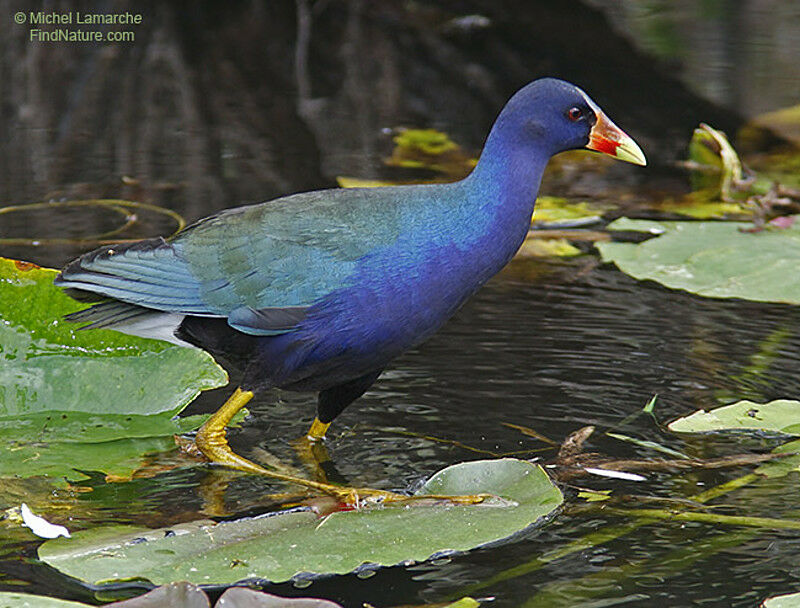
{"x":286,"y":254}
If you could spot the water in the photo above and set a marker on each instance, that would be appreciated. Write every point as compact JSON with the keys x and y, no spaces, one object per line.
{"x":216,"y":114}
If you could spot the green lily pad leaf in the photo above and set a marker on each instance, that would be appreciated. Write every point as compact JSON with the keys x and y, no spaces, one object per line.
{"x":783,"y":466}
{"x":430,"y":149}
{"x":782,"y":416}
{"x":357,"y":182}
{"x":594,"y":495}
{"x":25,"y":600}
{"x":540,"y":248}
{"x":62,"y":460}
{"x":84,"y":399}
{"x":783,"y":601}
{"x":557,"y":209}
{"x":85,"y":427}
{"x":712,"y":259}
{"x":711,"y":148}
{"x":281,"y":546}
{"x":464,"y":602}
{"x":697,"y":206}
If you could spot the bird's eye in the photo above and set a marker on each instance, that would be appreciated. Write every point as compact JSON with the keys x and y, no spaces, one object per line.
{"x":575,"y":114}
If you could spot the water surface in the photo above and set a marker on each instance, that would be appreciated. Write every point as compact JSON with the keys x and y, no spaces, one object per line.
{"x":211,"y":108}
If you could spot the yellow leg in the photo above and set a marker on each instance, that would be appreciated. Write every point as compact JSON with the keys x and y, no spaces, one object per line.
{"x":211,"y":441}
{"x":312,"y":450}
{"x":318,"y":430}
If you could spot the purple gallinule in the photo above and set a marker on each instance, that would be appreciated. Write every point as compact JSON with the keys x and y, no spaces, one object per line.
{"x":327,"y":287}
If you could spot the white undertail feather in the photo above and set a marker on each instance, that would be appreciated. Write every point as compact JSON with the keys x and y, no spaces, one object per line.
{"x":156,"y":325}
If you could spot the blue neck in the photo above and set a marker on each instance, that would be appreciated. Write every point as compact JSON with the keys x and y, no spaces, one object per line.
{"x":502,"y":190}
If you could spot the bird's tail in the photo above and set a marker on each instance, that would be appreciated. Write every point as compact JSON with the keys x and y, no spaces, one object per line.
{"x":108,"y":314}
{"x":132,"y":320}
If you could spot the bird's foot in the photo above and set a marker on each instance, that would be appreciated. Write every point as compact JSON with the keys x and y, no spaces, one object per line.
{"x":218,"y":451}
{"x":212,"y":442}
{"x":314,"y":456}
{"x":317,"y":430}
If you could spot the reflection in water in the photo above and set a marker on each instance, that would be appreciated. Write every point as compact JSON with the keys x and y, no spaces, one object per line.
{"x":742,"y":55}
{"x":215,"y":105}
{"x":554,"y":356}
{"x":579,"y":348}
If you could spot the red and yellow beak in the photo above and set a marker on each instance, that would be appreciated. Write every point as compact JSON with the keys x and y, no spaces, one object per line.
{"x":608,"y":138}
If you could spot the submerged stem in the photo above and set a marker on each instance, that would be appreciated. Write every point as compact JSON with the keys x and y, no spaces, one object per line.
{"x":605,"y":535}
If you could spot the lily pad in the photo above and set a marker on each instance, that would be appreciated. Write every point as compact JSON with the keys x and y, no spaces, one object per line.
{"x":430,"y":149}
{"x":281,"y":546}
{"x":84,"y":399}
{"x":782,"y":416}
{"x":783,"y":601}
{"x":65,"y":460}
{"x":782,"y":466}
{"x":538,"y":248}
{"x":697,"y":206}
{"x":357,"y":182}
{"x":25,"y":600}
{"x":558,"y":209}
{"x":712,"y":259}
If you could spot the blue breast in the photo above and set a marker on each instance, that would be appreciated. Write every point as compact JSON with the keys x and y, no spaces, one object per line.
{"x":400,"y":293}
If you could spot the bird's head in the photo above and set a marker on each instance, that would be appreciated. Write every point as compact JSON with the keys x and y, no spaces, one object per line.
{"x":560,"y":116}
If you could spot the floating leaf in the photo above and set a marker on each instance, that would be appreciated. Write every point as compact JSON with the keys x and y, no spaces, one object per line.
{"x":783,"y":601}
{"x":357,"y":182}
{"x":464,"y":602}
{"x":280,"y":546}
{"x":782,"y":466}
{"x":712,"y":259}
{"x":782,"y":415}
{"x":64,"y":460}
{"x":430,"y":149}
{"x":84,"y":399}
{"x":594,"y":495}
{"x":26,"y":600}
{"x":534,"y":247}
{"x":556,"y":209}
{"x":697,"y":206}
{"x":128,"y":212}
{"x":708,"y":142}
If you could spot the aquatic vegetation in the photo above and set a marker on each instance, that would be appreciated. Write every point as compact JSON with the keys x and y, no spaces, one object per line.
{"x":711,"y":259}
{"x":72,"y":400}
{"x":300,"y":542}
